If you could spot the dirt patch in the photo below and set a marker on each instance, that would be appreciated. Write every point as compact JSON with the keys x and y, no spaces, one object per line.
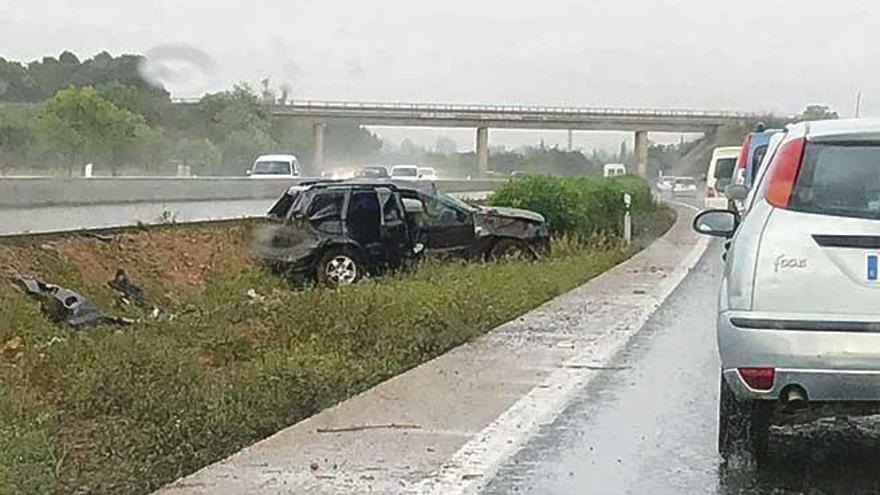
{"x":169,"y":262}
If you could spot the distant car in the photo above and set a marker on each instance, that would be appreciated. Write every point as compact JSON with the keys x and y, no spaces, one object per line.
{"x":427,"y":173}
{"x":519,"y":173}
{"x":798,"y":314}
{"x":684,"y":187}
{"x":274,"y":167}
{"x":344,"y":173}
{"x":614,"y":170}
{"x":772,"y":148}
{"x":665,"y":183}
{"x":405,"y":172}
{"x":751,"y":154}
{"x":373,"y":172}
{"x":718,"y":177}
{"x":337,"y":232}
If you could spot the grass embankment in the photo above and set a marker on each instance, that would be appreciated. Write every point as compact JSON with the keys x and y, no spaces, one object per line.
{"x":123,"y":410}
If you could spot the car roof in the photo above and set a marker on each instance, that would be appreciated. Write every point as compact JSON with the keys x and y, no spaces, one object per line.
{"x":358,"y":183}
{"x":726,"y":151}
{"x":840,"y":130}
{"x":405,"y":166}
{"x":280,"y":158}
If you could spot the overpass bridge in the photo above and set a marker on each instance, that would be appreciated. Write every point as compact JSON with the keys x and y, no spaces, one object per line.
{"x":484,"y":117}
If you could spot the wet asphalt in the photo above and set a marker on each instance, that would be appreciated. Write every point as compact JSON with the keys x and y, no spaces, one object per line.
{"x":647,"y":425}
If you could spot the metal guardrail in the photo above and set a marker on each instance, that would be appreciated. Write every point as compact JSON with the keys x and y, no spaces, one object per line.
{"x":520,"y":109}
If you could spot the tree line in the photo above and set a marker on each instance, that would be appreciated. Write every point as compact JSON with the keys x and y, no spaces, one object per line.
{"x":58,"y":114}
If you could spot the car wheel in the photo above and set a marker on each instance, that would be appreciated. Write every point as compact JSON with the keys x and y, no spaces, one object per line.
{"x":511,"y":249}
{"x":339,"y":267}
{"x":743,"y":427}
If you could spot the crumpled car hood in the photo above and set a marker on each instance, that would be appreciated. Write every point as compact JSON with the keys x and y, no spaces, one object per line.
{"x":510,"y":222}
{"x":507,"y":212}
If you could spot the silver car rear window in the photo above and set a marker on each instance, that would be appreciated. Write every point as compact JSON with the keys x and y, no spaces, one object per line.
{"x":841,"y":179}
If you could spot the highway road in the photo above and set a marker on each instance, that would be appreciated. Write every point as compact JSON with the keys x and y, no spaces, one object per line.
{"x":650,"y":425}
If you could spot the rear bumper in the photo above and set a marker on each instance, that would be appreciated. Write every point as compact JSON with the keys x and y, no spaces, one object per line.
{"x":829,"y":364}
{"x":821,"y":385}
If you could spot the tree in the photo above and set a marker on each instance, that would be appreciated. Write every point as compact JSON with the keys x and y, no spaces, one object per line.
{"x":267,"y":94}
{"x":817,"y":112}
{"x":408,"y":148}
{"x":351,"y":142}
{"x":15,"y":83}
{"x":85,"y":127}
{"x":623,"y":157}
{"x":446,"y":145}
{"x":239,"y":121}
{"x":18,"y":136}
{"x":197,"y":152}
{"x":153,"y":105}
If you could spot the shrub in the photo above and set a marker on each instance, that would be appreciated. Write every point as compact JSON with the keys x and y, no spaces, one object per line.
{"x":579,"y":207}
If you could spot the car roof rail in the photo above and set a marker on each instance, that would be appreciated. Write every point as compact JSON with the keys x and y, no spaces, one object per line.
{"x":349,"y":183}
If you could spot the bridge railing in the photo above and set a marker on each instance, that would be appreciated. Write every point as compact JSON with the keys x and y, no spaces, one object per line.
{"x":324,"y":105}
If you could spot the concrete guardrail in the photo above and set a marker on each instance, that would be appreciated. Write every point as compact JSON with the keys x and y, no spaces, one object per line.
{"x":34,"y":205}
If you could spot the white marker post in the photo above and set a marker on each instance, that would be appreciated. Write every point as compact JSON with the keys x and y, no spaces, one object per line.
{"x":627,"y":220}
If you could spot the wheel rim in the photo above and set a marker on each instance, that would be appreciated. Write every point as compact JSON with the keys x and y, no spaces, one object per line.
{"x":341,"y":270}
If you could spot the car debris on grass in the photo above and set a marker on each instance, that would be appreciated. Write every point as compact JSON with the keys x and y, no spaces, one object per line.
{"x":63,"y":305}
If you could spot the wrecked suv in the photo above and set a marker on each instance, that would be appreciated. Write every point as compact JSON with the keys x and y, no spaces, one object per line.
{"x":337,"y":232}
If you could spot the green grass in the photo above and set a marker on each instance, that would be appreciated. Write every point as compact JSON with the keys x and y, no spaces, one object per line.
{"x":126,"y":410}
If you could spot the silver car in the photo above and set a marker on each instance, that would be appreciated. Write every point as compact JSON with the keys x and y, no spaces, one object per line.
{"x":799,"y":308}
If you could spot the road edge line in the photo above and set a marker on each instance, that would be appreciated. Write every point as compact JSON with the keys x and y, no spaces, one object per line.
{"x":477,"y":462}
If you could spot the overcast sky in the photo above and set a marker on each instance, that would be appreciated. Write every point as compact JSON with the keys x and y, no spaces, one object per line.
{"x":769,"y":55}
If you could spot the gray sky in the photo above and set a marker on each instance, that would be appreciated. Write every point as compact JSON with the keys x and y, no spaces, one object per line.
{"x":749,"y":55}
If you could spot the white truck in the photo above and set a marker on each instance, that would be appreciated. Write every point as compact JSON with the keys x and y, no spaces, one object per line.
{"x":614,"y":170}
{"x":274,"y":167}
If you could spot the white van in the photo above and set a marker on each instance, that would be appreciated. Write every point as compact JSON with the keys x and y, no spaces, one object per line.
{"x":719,"y":175}
{"x":274,"y":167}
{"x":614,"y":170}
{"x":405,"y":172}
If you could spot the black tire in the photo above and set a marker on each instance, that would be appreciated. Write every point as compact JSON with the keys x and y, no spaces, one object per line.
{"x":511,"y":249}
{"x":743,"y":427}
{"x":338,"y":267}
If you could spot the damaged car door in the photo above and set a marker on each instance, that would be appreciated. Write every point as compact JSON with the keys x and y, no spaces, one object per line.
{"x":449,"y":226}
{"x":398,"y":240}
{"x":374,"y":221}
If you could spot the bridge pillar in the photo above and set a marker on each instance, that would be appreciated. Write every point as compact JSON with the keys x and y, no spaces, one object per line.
{"x":482,"y":151}
{"x":641,"y":152}
{"x":318,"y":147}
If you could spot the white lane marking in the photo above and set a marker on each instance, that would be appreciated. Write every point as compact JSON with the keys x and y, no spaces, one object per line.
{"x":477,"y":462}
{"x":686,"y":205}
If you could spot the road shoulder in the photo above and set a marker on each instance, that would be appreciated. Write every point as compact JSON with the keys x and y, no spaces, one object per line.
{"x":446,"y":426}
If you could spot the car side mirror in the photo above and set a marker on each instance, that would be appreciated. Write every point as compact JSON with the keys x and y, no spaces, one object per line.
{"x":717,"y":223}
{"x":736,"y":192}
{"x":247,"y":172}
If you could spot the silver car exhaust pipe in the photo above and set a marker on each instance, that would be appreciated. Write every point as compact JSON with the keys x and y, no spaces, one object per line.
{"x":794,"y":397}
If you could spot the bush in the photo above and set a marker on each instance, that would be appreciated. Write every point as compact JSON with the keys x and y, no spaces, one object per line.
{"x":579,"y":207}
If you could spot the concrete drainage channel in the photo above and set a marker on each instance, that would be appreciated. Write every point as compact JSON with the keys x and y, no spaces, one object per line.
{"x":446,"y":426}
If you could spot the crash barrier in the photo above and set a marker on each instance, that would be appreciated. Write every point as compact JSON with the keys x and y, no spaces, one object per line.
{"x":42,"y":205}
